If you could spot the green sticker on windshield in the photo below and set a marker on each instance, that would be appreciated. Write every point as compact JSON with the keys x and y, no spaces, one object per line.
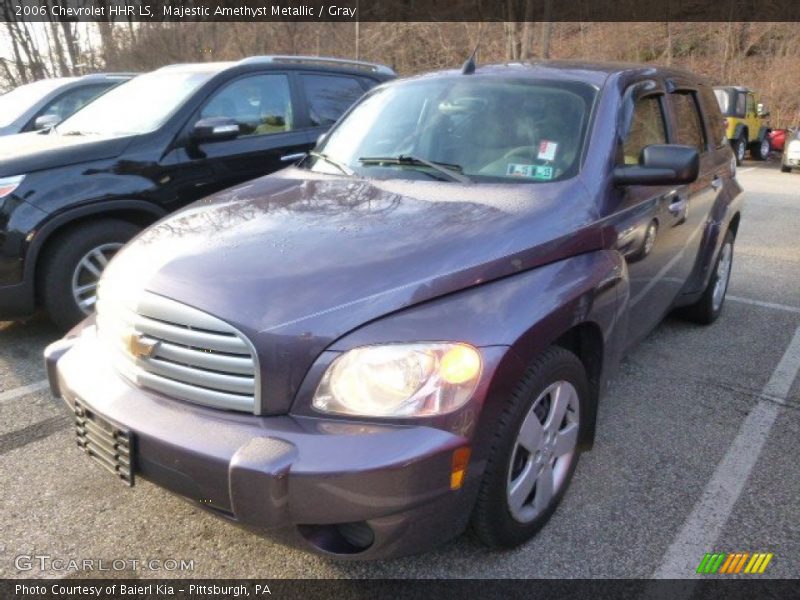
{"x":542,"y":173}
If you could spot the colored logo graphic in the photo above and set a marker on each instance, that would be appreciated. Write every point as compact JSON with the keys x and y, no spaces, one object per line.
{"x":732,"y":564}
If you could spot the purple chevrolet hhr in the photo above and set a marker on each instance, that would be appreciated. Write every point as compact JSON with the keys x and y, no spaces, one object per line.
{"x":409,"y":331}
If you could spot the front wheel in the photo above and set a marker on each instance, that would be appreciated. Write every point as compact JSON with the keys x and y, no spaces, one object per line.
{"x":534,"y":451}
{"x":73,"y":265}
{"x":785,"y":169}
{"x":708,"y":308}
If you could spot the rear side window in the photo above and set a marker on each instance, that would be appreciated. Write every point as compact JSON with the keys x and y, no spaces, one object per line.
{"x":329,"y":96}
{"x":716,"y":122}
{"x":689,"y":126}
{"x":647,"y":127}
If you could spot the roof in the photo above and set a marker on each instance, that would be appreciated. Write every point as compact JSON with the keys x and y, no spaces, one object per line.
{"x":320,"y":61}
{"x":737,"y":88}
{"x":593,"y":72}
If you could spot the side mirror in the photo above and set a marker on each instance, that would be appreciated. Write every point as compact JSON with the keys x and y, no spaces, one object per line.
{"x":46,"y":122}
{"x":215,"y":129}
{"x":661,"y":164}
{"x":762,"y":110}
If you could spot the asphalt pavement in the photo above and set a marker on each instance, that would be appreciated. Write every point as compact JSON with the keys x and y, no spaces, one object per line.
{"x":697,"y":451}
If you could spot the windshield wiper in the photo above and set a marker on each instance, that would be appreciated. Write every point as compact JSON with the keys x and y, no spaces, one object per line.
{"x":453,"y":172}
{"x":341,"y":166}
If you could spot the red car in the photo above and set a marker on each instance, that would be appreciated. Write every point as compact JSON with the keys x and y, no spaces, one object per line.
{"x":777,"y":139}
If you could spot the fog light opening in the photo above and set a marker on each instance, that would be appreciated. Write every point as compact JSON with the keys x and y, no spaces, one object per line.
{"x":341,"y":538}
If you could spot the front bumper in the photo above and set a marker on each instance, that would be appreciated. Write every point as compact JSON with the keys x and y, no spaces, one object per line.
{"x":308,"y":481}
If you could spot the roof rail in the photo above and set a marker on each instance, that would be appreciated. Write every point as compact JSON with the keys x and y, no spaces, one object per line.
{"x":320,"y":60}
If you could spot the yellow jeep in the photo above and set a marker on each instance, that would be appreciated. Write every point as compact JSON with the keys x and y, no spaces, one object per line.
{"x":746,"y":127}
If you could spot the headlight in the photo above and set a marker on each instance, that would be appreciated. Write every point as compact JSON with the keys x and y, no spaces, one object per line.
{"x":400,"y":380}
{"x":9,"y":184}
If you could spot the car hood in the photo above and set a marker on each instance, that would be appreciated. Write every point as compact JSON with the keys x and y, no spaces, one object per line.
{"x":30,"y":152}
{"x":295,"y":261}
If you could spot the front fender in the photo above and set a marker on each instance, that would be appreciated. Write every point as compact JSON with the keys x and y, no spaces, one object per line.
{"x":513,"y":319}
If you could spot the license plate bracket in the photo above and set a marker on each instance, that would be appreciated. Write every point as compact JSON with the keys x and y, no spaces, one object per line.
{"x":107,"y":444}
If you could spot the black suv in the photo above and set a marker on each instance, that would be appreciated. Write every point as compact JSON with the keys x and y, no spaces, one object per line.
{"x":70,"y":198}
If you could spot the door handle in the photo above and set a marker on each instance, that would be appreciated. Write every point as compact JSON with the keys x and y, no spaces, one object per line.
{"x":293,"y":157}
{"x":716,"y":183}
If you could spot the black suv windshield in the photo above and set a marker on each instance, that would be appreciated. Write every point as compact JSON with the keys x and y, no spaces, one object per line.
{"x":141,"y":105}
{"x":464,"y":128}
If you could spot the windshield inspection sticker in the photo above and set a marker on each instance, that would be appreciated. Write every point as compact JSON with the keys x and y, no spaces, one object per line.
{"x":547,"y":150}
{"x":532,"y":171}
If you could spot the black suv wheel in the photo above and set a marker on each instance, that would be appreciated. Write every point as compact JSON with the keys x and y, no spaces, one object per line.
{"x":73,"y":265}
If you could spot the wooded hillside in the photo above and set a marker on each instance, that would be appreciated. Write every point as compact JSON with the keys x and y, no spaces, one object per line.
{"x":764,"y":56}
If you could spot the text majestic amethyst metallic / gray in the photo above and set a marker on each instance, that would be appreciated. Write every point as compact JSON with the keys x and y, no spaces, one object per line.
{"x":408,"y":333}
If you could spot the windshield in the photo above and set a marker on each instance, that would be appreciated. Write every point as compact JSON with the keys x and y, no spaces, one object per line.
{"x":463,"y":128}
{"x":141,"y":105}
{"x":14,"y":103}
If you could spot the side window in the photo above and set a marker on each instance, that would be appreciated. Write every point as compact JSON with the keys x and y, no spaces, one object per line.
{"x":647,"y":127}
{"x":689,"y":126}
{"x":329,"y":96}
{"x":72,"y":101}
{"x":740,"y":100}
{"x":751,"y":105}
{"x":260,"y":104}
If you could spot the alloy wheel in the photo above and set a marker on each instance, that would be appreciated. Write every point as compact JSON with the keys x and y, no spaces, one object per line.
{"x":543,"y":452}
{"x":87,"y":275}
{"x":722,"y":275}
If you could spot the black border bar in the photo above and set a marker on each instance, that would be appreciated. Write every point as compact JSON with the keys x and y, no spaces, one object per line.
{"x":418,"y":589}
{"x":402,"y":10}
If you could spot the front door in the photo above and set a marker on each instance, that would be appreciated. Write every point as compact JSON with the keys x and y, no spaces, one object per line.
{"x":269,"y":139}
{"x":650,"y":224}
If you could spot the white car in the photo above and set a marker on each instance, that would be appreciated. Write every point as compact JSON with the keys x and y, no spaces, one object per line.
{"x":791,"y":151}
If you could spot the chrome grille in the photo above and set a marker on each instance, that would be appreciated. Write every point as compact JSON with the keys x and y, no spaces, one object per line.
{"x":191,"y":355}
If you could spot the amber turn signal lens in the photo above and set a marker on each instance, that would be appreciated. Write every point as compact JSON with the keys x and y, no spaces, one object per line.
{"x":460,"y":364}
{"x":459,"y":470}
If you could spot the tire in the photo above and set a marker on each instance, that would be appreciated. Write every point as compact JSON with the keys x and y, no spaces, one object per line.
{"x":739,"y":148}
{"x":785,"y":169}
{"x":61,"y":267}
{"x":760,"y":150}
{"x":708,"y":308}
{"x":496,"y":520}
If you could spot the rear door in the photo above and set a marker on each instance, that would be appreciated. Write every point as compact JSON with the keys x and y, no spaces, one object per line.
{"x":327,"y":96}
{"x":689,"y":128}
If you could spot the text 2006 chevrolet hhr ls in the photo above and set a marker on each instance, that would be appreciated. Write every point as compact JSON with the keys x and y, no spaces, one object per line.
{"x":408,"y":332}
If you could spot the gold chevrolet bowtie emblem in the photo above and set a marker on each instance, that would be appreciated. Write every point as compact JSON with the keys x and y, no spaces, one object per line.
{"x":140,"y":346}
